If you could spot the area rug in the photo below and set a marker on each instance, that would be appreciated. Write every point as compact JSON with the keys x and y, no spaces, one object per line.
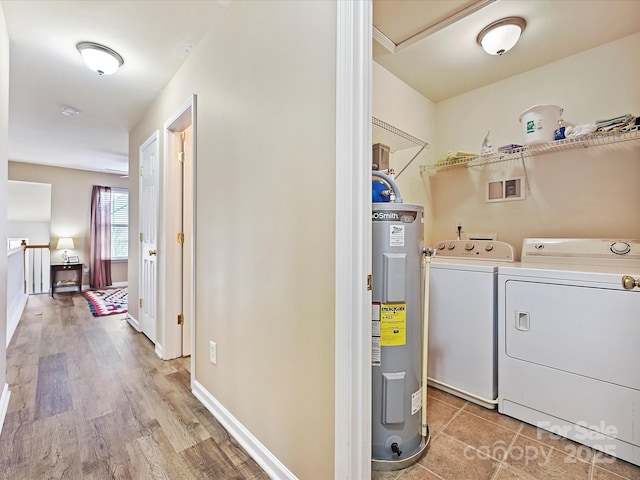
{"x":107,"y":302}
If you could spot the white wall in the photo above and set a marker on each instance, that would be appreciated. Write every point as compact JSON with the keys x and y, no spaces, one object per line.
{"x":584,"y":193}
{"x":38,"y":233}
{"x":71,"y":207}
{"x":397,"y":104}
{"x":265,"y":221}
{"x":16,"y":296}
{"x":4,"y":133}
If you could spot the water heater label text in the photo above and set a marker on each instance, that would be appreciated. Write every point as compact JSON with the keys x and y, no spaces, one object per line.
{"x":405,"y":216}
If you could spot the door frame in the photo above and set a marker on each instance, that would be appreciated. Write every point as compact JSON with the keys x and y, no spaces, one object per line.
{"x":353,"y":241}
{"x":171,"y":332}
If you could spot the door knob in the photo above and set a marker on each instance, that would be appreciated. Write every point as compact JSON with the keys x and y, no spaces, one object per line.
{"x":153,"y":252}
{"x":628,"y":282}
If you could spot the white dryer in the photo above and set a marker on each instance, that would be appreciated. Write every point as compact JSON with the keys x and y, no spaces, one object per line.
{"x":463,"y":318}
{"x":569,"y":341}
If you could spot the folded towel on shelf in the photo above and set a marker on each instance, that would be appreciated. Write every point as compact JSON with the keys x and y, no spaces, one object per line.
{"x":456,"y":157}
{"x":578,"y":130}
{"x":615,"y":122}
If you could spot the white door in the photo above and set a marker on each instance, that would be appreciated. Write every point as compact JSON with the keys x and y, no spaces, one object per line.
{"x":187,"y":247}
{"x":149,"y":187}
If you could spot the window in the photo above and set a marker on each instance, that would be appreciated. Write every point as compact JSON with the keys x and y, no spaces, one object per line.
{"x":119,"y":224}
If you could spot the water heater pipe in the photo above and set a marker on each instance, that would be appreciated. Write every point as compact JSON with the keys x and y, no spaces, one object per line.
{"x":426,"y":269}
{"x":389,"y":182}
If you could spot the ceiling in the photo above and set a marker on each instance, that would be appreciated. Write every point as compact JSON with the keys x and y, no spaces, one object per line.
{"x":448,"y":61}
{"x":155,"y":37}
{"x":47,"y":72}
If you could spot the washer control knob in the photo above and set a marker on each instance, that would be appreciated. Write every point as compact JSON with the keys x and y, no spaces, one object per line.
{"x":620,"y":248}
{"x":628,"y":283}
{"x":451,"y":246}
{"x":488,"y":247}
{"x":469,"y":246}
{"x":441,"y":246}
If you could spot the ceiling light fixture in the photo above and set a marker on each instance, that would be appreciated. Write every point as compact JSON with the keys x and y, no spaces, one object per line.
{"x":502,"y":35}
{"x":70,"y":111}
{"x":99,"y":58}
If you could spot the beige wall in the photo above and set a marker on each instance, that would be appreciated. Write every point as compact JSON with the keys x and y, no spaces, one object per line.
{"x":71,"y":206}
{"x":265,"y":214}
{"x":4,"y":134}
{"x":584,"y":192}
{"x":396,"y":103}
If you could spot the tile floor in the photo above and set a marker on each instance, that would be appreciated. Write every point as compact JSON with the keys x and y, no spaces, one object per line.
{"x":469,"y":442}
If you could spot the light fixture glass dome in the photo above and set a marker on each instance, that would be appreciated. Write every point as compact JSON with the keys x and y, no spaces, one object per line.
{"x":99,"y":58}
{"x":501,"y":36}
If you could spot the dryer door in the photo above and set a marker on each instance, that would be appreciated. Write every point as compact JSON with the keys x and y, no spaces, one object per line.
{"x":582,"y":330}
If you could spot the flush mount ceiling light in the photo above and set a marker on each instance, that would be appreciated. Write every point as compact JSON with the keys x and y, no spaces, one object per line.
{"x":502,"y":35}
{"x":70,"y":111}
{"x":99,"y":58}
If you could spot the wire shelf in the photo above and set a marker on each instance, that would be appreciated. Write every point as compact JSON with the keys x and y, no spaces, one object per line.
{"x":451,"y":162}
{"x":584,"y":141}
{"x":393,"y":137}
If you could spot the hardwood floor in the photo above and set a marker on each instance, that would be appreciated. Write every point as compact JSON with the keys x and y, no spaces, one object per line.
{"x":91,"y":400}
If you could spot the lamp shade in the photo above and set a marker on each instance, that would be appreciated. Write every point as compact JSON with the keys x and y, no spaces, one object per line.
{"x":502,"y":35}
{"x":65,"y":243}
{"x":99,"y":58}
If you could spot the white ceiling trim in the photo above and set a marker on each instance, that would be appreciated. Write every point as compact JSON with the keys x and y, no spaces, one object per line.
{"x":383,"y":40}
{"x":387,"y":43}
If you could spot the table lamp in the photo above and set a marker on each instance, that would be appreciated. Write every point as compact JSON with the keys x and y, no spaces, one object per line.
{"x":65,"y":243}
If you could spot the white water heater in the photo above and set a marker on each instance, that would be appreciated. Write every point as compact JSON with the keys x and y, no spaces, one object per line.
{"x":397,"y":432}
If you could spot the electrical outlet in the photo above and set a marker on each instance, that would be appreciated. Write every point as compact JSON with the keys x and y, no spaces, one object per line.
{"x":213,"y":352}
{"x":459,"y":223}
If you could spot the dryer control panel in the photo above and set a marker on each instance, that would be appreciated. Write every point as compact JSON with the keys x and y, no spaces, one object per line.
{"x":582,"y":251}
{"x":475,"y":250}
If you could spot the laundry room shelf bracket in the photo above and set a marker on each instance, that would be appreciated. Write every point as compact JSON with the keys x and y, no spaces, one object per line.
{"x":396,"y":139}
{"x":393,"y":137}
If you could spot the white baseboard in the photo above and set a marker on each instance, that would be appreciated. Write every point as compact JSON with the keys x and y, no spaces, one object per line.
{"x":263,"y":457}
{"x":120,"y":284}
{"x":14,"y":314}
{"x":133,"y":322}
{"x":4,"y":404}
{"x":159,"y":351}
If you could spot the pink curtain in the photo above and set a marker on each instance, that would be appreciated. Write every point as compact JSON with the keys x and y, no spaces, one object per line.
{"x":100,"y":261}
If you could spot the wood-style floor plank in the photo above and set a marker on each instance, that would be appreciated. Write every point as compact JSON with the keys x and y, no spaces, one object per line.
{"x":52,"y":394}
{"x":91,"y":400}
{"x":55,"y":447}
{"x":103,"y":454}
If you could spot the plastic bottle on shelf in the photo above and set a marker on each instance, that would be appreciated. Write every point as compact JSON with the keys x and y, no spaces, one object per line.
{"x":559,"y":132}
{"x":487,"y":148}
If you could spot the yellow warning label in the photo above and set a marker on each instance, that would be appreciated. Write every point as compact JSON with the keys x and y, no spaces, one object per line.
{"x":393,"y":324}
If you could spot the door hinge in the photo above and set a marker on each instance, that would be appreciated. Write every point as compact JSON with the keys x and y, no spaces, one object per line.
{"x":140,"y":303}
{"x":141,"y":171}
{"x":181,"y":157}
{"x":180,"y":319}
{"x":181,"y":237}
{"x":369,"y":282}
{"x":141,"y":236}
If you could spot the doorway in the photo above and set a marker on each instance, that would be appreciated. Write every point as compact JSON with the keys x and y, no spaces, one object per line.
{"x":178,"y":291}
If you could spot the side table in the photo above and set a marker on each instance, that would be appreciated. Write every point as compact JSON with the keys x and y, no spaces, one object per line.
{"x":75,"y":281}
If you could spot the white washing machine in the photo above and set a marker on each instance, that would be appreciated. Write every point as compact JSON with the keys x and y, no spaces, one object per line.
{"x":569,"y":341}
{"x":463,"y":318}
